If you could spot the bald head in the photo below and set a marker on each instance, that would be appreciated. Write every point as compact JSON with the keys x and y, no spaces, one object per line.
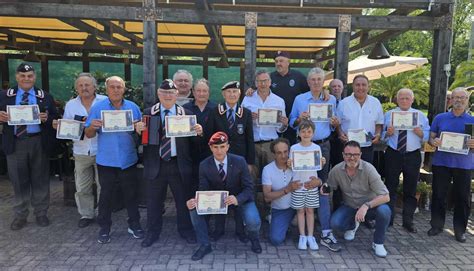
{"x":460,"y":98}
{"x":405,"y":98}
{"x":335,"y":87}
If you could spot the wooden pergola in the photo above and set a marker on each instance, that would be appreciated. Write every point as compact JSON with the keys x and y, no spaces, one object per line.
{"x":250,"y":31}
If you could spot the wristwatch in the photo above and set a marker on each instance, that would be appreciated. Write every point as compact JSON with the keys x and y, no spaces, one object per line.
{"x":367,"y":204}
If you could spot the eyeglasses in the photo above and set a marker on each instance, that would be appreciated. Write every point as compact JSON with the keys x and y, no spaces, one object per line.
{"x":262,"y":81}
{"x":182,"y":80}
{"x":351,"y":155}
{"x":459,"y":98}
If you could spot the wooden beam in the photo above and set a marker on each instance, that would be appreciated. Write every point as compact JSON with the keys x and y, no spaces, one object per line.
{"x":250,"y":49}
{"x":127,"y":70}
{"x":205,"y":67}
{"x":150,"y":57}
{"x":214,"y":31}
{"x":42,"y":45}
{"x":119,"y":30}
{"x":220,"y":17}
{"x":45,"y":73}
{"x":341,"y":68}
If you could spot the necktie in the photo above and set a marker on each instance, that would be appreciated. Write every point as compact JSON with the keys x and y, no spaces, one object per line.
{"x":402,"y":141}
{"x":21,"y":129}
{"x":222,"y":172}
{"x":230,"y":118}
{"x":165,"y":146}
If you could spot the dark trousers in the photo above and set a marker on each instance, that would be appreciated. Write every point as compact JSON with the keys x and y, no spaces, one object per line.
{"x":109,"y":179}
{"x":408,"y":164}
{"x":336,"y":151}
{"x":461,"y":192}
{"x":219,"y":222}
{"x":28,"y":169}
{"x":156,"y":196}
{"x":326,"y":153}
{"x":367,"y":154}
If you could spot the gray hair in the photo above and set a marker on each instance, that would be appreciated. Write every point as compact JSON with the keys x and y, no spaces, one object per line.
{"x":260,"y":72}
{"x":87,"y":75}
{"x":407,"y":90}
{"x":463,"y":90}
{"x":317,"y":71}
{"x":114,"y":77}
{"x":185,"y":72}
{"x":201,"y":80}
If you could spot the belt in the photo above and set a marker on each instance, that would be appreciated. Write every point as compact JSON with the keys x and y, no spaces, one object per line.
{"x":30,"y":135}
{"x":173,"y":158}
{"x":407,"y":152}
{"x":321,"y":140}
{"x":263,"y":141}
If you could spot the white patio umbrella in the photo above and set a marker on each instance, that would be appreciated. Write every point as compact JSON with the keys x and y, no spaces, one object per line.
{"x":375,"y":68}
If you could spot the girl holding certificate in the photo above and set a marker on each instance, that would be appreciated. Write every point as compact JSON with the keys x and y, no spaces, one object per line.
{"x":305,"y":199}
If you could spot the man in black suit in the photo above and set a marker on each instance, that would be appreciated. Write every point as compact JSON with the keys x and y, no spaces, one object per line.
{"x":27,"y":147}
{"x":167,"y":161}
{"x":236,"y":121}
{"x":226,"y":172}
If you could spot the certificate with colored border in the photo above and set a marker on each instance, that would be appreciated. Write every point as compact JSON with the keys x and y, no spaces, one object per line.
{"x":23,"y":114}
{"x":454,"y":142}
{"x":404,"y":120}
{"x":69,"y":129}
{"x":269,"y":117}
{"x":211,"y":202}
{"x":306,"y":160}
{"x":117,"y":121}
{"x":180,"y":126}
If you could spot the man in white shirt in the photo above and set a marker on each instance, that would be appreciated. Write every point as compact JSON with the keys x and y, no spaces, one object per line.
{"x":85,"y":172}
{"x":403,"y":155}
{"x":361,"y":111}
{"x":263,"y":98}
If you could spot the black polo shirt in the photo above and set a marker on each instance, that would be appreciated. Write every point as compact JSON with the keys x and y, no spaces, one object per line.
{"x":289,"y":86}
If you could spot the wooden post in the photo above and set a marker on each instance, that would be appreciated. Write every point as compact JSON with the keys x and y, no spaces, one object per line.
{"x":44,"y":74}
{"x":127,"y":70}
{"x":85,"y":62}
{"x":4,"y":67}
{"x":165,"y":69}
{"x":242,"y":79}
{"x":440,"y":71}
{"x":205,"y":67}
{"x":343,"y":37}
{"x":150,"y":54}
{"x":250,"y":49}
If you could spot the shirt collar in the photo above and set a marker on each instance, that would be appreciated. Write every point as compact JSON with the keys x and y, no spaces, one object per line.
{"x":228,"y":107}
{"x":223,"y":162}
{"x":21,"y":91}
{"x":172,"y":109}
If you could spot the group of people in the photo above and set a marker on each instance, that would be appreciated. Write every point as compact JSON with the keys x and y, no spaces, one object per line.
{"x":232,"y":152}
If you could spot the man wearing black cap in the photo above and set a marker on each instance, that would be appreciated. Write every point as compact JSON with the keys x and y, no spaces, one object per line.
{"x":27,"y":148}
{"x":167,"y":161}
{"x":236,"y":121}
{"x":226,"y":172}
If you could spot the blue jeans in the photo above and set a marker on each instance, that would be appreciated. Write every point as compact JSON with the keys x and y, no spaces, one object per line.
{"x":281,"y":220}
{"x":343,"y":219}
{"x":324,"y":212}
{"x":250,"y":216}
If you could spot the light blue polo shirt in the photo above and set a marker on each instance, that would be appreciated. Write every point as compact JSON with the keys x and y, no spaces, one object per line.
{"x":115,"y":149}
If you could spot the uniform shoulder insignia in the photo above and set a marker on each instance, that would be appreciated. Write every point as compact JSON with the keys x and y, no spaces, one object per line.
{"x":40,"y":93}
{"x":240,"y":111}
{"x":180,"y":110}
{"x":155,"y":109}
{"x":221,"y":109}
{"x":11,"y":92}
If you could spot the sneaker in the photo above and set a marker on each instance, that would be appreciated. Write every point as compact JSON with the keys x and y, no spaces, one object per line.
{"x":104,"y":236}
{"x":330,"y":242}
{"x":379,"y":250}
{"x":350,"y":234}
{"x":302,"y":242}
{"x":313,"y":245}
{"x":136,"y":231}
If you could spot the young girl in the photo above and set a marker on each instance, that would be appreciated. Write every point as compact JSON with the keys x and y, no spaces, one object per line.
{"x":305,"y":199}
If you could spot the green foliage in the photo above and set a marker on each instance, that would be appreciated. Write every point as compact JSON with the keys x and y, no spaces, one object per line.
{"x":388,"y":106}
{"x":386,"y":88}
{"x":423,"y":188}
{"x":464,"y":76}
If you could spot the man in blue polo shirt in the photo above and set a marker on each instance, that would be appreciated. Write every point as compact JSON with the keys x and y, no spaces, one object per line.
{"x":116,"y":159}
{"x":448,"y":165}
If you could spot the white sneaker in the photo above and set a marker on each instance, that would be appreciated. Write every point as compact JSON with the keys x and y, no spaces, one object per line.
{"x":379,"y":250}
{"x":350,"y":234}
{"x":313,"y":245}
{"x":302,"y":242}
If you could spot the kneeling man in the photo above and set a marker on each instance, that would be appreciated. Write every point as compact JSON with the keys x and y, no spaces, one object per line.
{"x":227,"y":172}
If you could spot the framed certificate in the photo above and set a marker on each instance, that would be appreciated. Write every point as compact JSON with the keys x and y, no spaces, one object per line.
{"x":320,"y":112}
{"x":306,"y":160}
{"x":180,"y":126}
{"x":404,"y":120}
{"x":117,"y":121}
{"x":454,"y":142}
{"x":211,"y":202}
{"x":69,"y":129}
{"x":269,"y":117}
{"x":23,"y":114}
{"x":360,"y":136}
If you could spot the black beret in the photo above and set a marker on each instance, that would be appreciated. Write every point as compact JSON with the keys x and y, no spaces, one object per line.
{"x":231,"y":84}
{"x":167,"y":84}
{"x":25,"y":67}
{"x":283,"y":54}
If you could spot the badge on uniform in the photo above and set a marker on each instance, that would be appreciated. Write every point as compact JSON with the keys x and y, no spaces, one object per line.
{"x":274,"y":85}
{"x":291,"y":83}
{"x":240,"y":129}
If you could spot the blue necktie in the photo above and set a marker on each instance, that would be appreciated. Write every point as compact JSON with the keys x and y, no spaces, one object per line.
{"x":222,"y":172}
{"x":402,"y":141}
{"x":230,"y":118}
{"x":165,"y":146}
{"x":21,"y":129}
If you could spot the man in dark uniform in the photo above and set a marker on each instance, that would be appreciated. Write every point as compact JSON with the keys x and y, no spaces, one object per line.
{"x":236,"y":121}
{"x":287,"y":84}
{"x":27,"y":148}
{"x":225,"y":172}
{"x":167,"y":161}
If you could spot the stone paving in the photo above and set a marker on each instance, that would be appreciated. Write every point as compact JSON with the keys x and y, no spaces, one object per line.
{"x":63,"y":246}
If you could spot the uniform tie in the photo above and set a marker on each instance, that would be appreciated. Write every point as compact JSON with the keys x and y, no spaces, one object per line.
{"x":21,"y":129}
{"x":165,"y":146}
{"x":230,"y":118}
{"x":402,"y":141}
{"x":222,"y":172}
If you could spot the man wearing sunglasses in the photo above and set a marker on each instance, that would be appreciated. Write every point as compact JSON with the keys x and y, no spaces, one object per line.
{"x":364,"y":196}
